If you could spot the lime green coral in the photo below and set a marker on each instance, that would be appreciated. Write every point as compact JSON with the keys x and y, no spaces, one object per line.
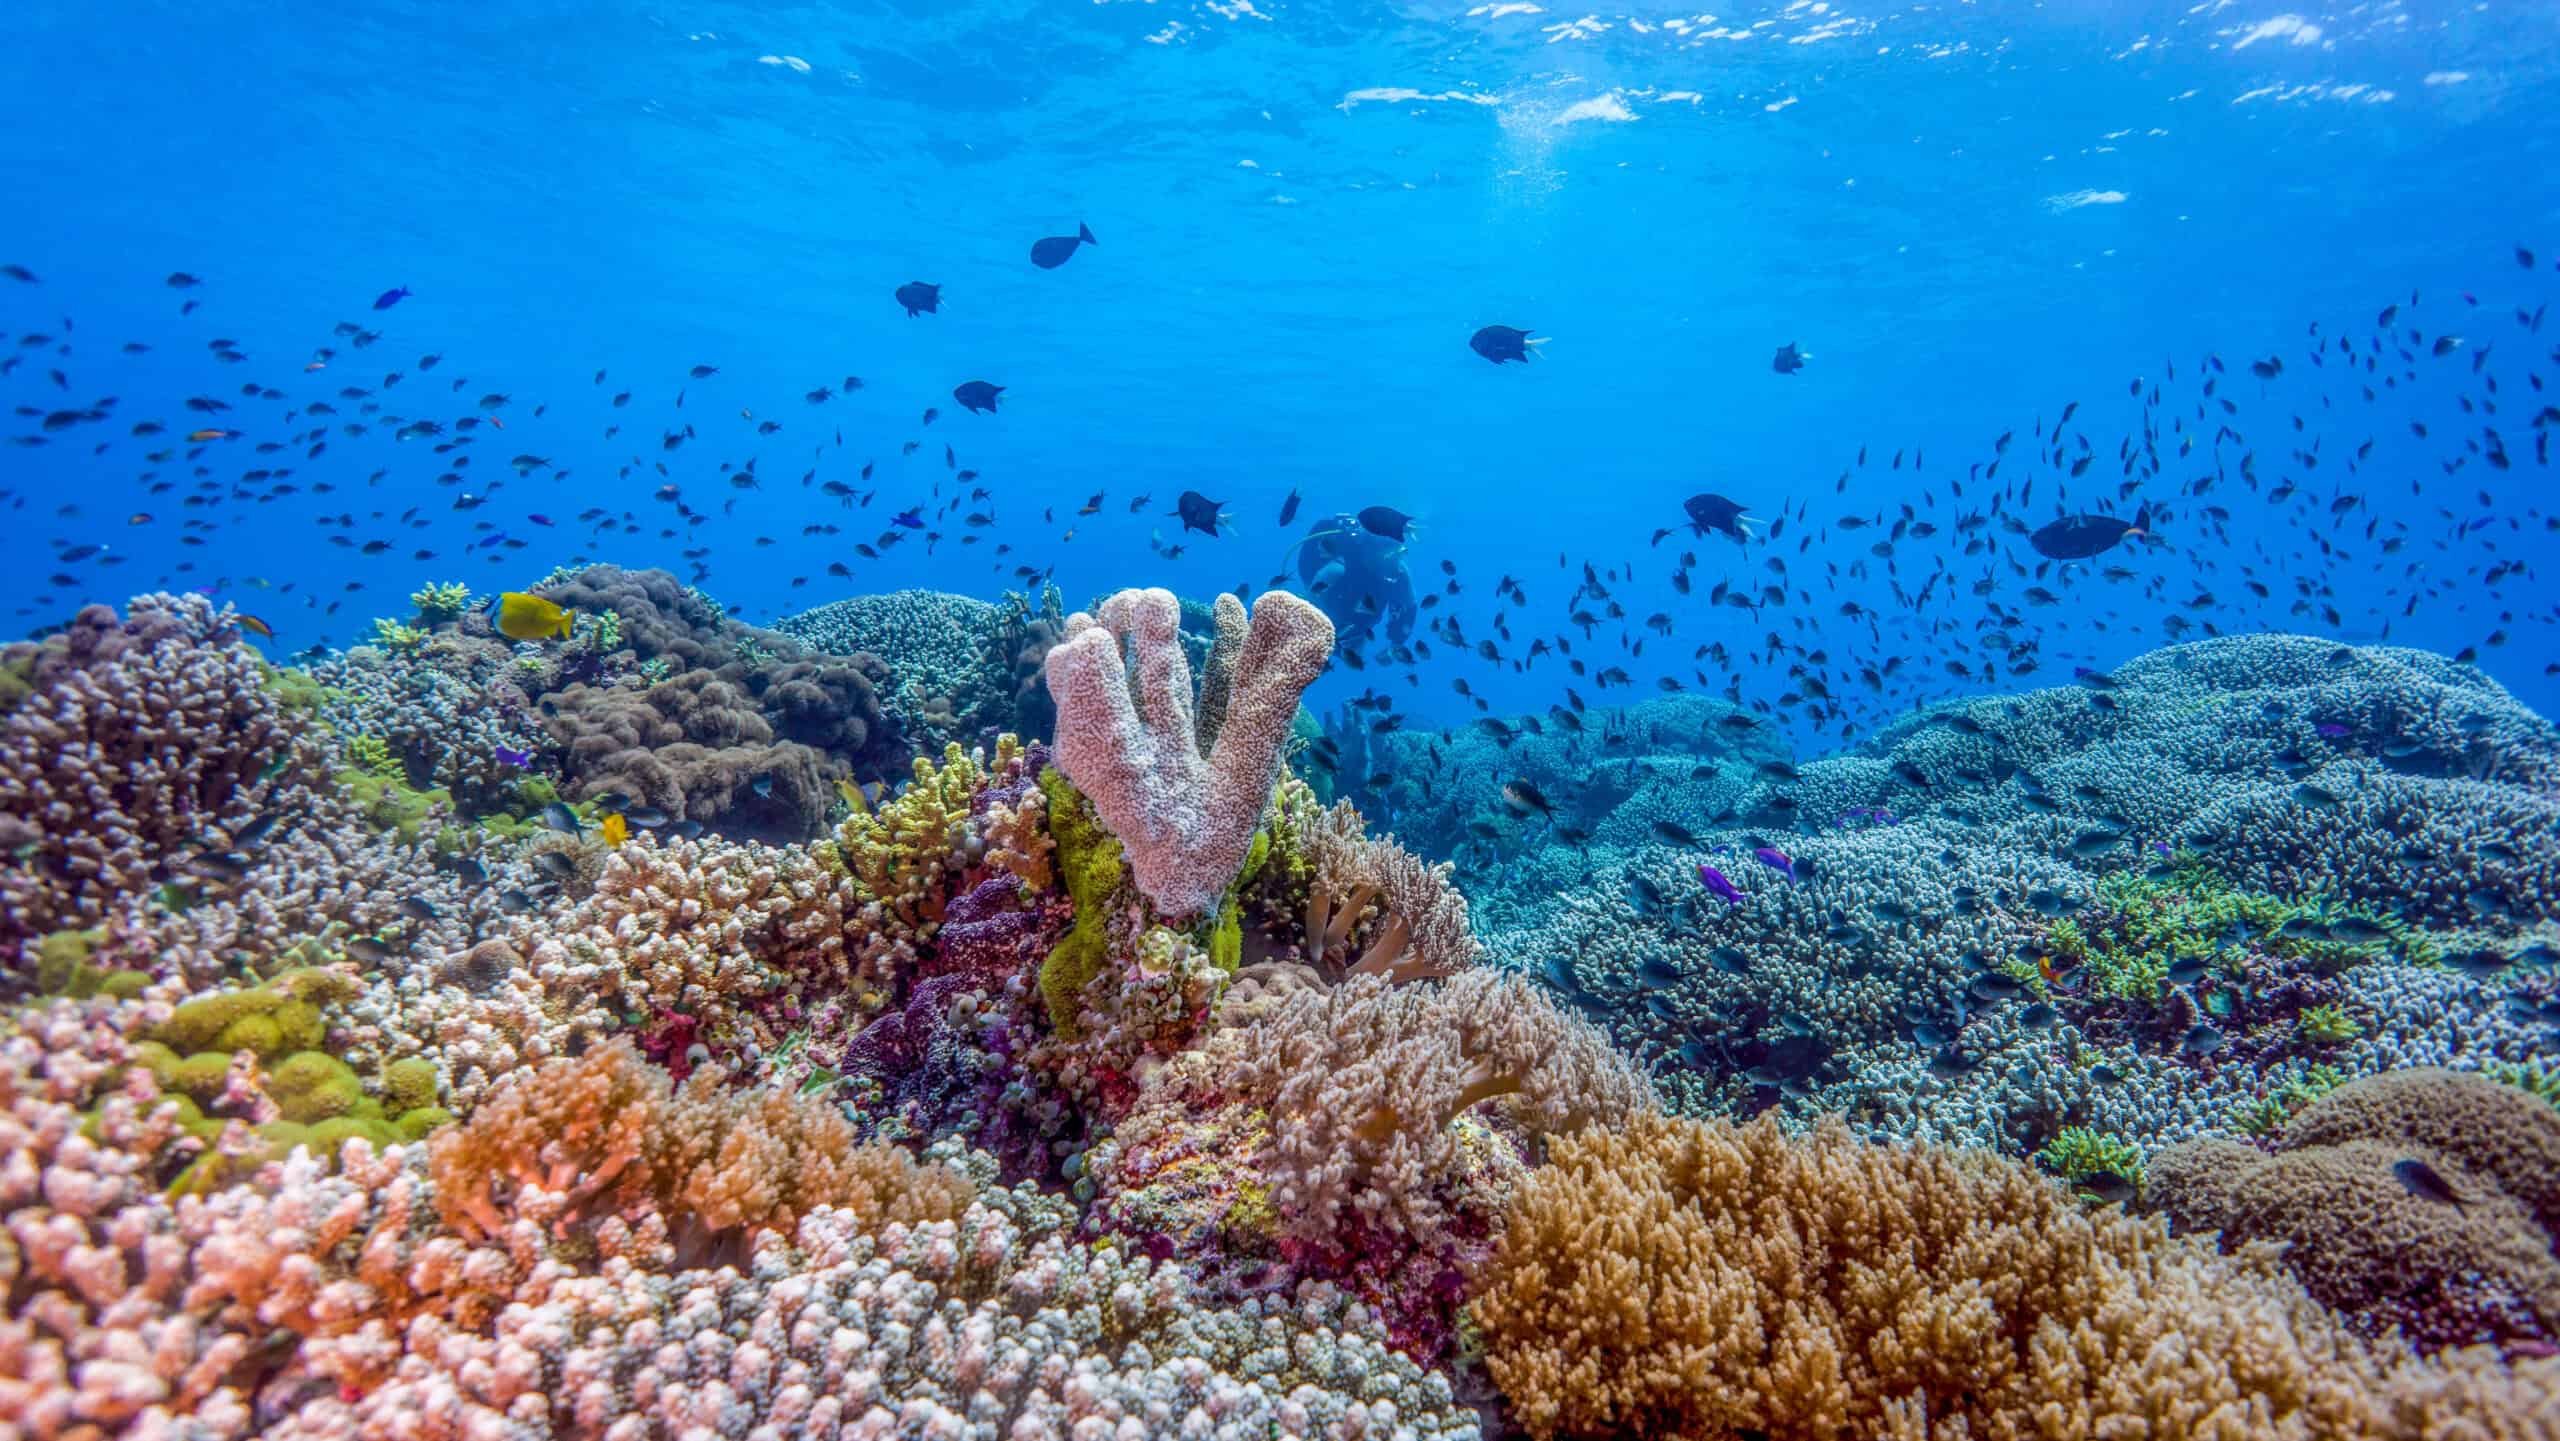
{"x":372,"y":755}
{"x":296,"y":691}
{"x":1093,"y":865}
{"x":399,"y":637}
{"x":2079,"y":1152}
{"x":388,"y":804}
{"x":2148,"y":921}
{"x":64,"y":968}
{"x":901,"y":850}
{"x":2267,"y":1114}
{"x":2327,"y":1025}
{"x":438,"y":602}
{"x":2542,"y":1078}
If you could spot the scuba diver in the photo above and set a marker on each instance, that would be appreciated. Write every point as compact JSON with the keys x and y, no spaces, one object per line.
{"x":1357,"y":577}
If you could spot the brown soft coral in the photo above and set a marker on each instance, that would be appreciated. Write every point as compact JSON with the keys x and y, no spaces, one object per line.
{"x":2479,"y":1266}
{"x":1681,"y":1279}
{"x":608,"y":1137}
{"x":739,"y":707}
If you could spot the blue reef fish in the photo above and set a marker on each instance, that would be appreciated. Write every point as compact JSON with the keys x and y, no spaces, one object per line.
{"x":391,"y":297}
{"x":1789,"y":359}
{"x":510,"y":757}
{"x":977,"y":395}
{"x":920,"y":298}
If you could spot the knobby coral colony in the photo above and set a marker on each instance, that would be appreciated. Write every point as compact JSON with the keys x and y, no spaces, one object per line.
{"x":466,"y":1039}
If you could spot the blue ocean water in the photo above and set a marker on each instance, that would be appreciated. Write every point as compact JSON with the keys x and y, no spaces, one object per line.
{"x":1969,"y":217}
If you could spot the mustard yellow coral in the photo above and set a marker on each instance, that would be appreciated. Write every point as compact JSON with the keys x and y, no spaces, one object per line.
{"x":1702,"y":1281}
{"x":907,"y":851}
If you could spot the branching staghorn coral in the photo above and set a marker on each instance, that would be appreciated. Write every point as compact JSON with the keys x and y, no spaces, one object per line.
{"x":1707,"y":1282}
{"x":1128,"y":740}
{"x":605,"y":1134}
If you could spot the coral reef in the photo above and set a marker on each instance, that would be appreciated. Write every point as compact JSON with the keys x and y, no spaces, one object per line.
{"x":461,"y":1037}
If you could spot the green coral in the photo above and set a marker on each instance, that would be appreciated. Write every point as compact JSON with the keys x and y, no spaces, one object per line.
{"x":17,"y":682}
{"x":393,"y":805}
{"x":2327,"y":1025}
{"x":2146,"y":921}
{"x":439,"y":602}
{"x":2542,"y":1078}
{"x":372,"y":755}
{"x":398,"y":637}
{"x":2079,"y":1152}
{"x":409,"y":1084}
{"x":311,"y":1086}
{"x":656,"y":668}
{"x":604,"y":631}
{"x":273,"y":1019}
{"x":1093,"y":866}
{"x":295,"y":691}
{"x":64,"y":968}
{"x":2267,"y":1114}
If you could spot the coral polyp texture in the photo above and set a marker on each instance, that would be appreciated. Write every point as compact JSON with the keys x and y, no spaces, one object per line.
{"x":678,"y":1029}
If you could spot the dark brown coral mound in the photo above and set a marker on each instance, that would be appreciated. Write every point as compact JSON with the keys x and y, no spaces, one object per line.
{"x":2426,"y":1199}
{"x":741,"y":729}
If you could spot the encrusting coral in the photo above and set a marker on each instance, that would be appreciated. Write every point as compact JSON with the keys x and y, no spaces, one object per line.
{"x":1692,"y":1281}
{"x":2423,"y":1199}
{"x":1128,"y":739}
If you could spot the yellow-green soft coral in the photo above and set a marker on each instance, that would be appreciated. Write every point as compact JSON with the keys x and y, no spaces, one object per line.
{"x":389,"y":804}
{"x":2079,"y":1153}
{"x":372,"y":755}
{"x":438,"y":602}
{"x":1091,"y":861}
{"x":64,"y":968}
{"x":901,"y":851}
{"x":398,"y":637}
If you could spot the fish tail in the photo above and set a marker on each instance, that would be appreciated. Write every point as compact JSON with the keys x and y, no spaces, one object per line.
{"x":1084,"y":233}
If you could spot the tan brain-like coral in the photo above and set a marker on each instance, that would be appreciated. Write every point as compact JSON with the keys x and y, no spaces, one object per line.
{"x":1694,"y":1281}
{"x":2476,"y":1265}
{"x":606,"y":1135}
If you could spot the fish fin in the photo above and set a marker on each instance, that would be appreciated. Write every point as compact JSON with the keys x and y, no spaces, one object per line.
{"x":1084,"y":233}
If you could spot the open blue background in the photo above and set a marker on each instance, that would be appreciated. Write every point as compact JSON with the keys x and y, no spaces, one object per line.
{"x":1287,"y":273}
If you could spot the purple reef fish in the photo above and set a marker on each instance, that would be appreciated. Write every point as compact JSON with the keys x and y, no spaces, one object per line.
{"x":521,"y":760}
{"x":1714,"y":881}
{"x":1775,"y":860}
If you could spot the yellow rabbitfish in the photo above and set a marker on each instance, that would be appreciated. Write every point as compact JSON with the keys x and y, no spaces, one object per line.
{"x":529,"y":617}
{"x":853,"y":796}
{"x":616,"y":830}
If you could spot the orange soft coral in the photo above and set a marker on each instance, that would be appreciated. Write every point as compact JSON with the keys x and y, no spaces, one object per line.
{"x":1679,"y":1279}
{"x":606,"y":1134}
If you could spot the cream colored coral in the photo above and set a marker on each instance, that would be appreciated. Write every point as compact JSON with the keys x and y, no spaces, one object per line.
{"x":1689,"y":1280}
{"x":1361,"y":1081}
{"x":1418,"y":926}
